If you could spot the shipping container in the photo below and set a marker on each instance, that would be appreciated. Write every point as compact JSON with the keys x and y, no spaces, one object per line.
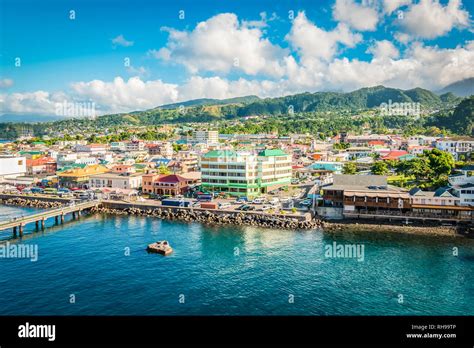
{"x":209,"y":205}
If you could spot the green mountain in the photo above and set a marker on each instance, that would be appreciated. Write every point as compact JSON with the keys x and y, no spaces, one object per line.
{"x":364,"y":98}
{"x":306,"y":106}
{"x":463,"y":88}
{"x":205,"y":101}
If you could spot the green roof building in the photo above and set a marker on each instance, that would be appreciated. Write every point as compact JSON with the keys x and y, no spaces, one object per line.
{"x":243,"y":173}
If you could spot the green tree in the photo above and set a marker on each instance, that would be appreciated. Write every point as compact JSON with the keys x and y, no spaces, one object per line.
{"x":164,"y":170}
{"x":379,"y":168}
{"x":440,"y":162}
{"x":349,"y":168}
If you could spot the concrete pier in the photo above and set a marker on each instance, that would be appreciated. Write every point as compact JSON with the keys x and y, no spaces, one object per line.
{"x":59,"y":215}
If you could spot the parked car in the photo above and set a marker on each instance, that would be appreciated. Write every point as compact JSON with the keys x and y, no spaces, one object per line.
{"x":265,"y":207}
{"x":274,"y":201}
{"x":259,"y":201}
{"x":36,"y":190}
{"x":245,"y":207}
{"x":241,"y":200}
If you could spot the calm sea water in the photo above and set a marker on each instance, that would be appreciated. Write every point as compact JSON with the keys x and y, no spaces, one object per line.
{"x":230,"y":270}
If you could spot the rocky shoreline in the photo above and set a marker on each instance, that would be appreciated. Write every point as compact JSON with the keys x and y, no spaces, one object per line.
{"x":208,"y":217}
{"x":249,"y":219}
{"x":353,"y":226}
{"x":34,"y":203}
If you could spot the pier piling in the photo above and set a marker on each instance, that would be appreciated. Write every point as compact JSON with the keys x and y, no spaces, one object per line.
{"x":20,"y":228}
{"x":14,"y":232}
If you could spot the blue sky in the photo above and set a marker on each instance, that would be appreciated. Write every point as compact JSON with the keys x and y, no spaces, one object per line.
{"x":223,"y":49}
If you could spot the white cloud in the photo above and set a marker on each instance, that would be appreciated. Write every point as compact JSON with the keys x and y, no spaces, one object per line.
{"x":311,"y":42}
{"x":314,"y":65}
{"x":429,"y":19}
{"x":420,"y":66}
{"x":5,"y":83}
{"x":390,"y":6}
{"x":38,"y":102}
{"x":121,"y":41}
{"x":138,"y":71}
{"x":383,"y":49}
{"x":121,"y":96}
{"x":221,"y":44}
{"x":358,"y":16}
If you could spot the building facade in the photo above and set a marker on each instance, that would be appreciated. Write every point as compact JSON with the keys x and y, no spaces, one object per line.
{"x":243,"y":173}
{"x":123,"y":180}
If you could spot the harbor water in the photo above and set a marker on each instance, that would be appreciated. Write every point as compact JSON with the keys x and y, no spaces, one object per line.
{"x":98,"y":265}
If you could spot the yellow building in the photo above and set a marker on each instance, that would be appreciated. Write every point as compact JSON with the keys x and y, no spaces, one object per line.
{"x":78,"y":177}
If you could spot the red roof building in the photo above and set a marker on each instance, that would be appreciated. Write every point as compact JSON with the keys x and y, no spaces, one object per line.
{"x":169,"y":185}
{"x":395,"y":155}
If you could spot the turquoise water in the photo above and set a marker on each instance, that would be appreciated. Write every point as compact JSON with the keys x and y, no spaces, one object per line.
{"x":231,"y":270}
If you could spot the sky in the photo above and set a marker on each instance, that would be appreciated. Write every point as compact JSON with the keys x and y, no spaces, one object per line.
{"x":135,"y":55}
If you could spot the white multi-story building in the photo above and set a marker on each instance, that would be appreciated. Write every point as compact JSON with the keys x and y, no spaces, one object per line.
{"x":274,"y":170}
{"x":466,"y":194}
{"x":206,"y":137}
{"x":115,"y":180}
{"x":463,"y":176}
{"x":11,"y":166}
{"x":456,"y":147}
{"x":135,"y":145}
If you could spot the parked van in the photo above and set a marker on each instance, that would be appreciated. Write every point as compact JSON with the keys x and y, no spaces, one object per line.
{"x":36,"y":190}
{"x":224,"y":205}
{"x":258,"y":201}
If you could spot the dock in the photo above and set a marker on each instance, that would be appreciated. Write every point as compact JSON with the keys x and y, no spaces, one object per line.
{"x":17,"y":224}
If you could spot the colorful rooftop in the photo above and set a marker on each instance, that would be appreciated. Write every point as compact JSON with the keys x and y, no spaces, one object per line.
{"x":220,"y":153}
{"x":273,"y":152}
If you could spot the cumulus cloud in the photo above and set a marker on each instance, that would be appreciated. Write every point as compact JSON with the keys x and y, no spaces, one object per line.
{"x":121,"y":96}
{"x":389,"y":6}
{"x":310,"y":41}
{"x":383,"y":49}
{"x":358,"y":16}
{"x":38,"y":102}
{"x":121,"y":41}
{"x":314,"y":64}
{"x":221,"y":44}
{"x":429,"y":19}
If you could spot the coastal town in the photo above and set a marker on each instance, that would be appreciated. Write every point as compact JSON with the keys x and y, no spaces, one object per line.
{"x":371,"y":177}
